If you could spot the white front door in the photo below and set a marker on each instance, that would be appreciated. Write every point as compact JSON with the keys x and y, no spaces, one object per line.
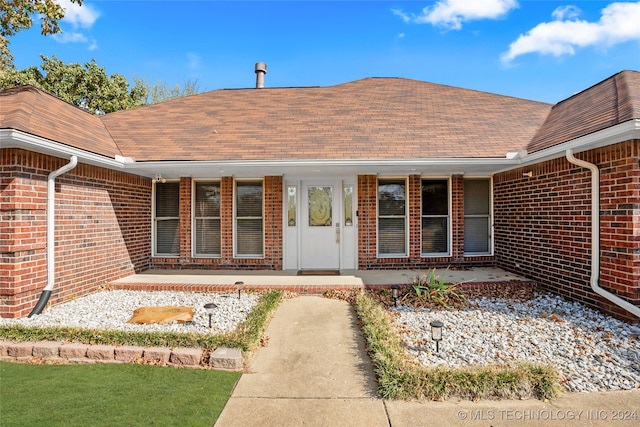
{"x":320,"y":225}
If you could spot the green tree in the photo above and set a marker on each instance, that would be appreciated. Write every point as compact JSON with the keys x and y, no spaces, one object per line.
{"x":89,"y":87}
{"x":159,"y":92}
{"x":16,"y":15}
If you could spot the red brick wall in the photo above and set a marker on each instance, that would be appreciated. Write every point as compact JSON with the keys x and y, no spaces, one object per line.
{"x":185,"y":219}
{"x":457,"y":218}
{"x":273,"y":215}
{"x":102,"y":233}
{"x":273,"y":232}
{"x":543,"y":225}
{"x":367,"y":229}
{"x":367,"y":226}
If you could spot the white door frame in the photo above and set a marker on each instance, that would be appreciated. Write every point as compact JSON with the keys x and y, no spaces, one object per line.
{"x":295,"y":237}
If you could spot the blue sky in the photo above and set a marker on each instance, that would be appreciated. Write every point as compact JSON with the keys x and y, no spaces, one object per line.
{"x":540,"y":50}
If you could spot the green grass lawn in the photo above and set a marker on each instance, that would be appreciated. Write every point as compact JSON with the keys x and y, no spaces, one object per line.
{"x":111,"y":395}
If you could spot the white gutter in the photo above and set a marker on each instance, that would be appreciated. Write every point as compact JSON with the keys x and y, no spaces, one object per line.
{"x":595,"y":236}
{"x":619,"y":133}
{"x":10,"y":138}
{"x":51,"y":199}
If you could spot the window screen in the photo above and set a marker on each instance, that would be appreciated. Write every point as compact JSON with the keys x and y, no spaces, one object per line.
{"x":249,"y":221}
{"x":167,"y":218}
{"x":477,"y":216}
{"x":435,"y":216}
{"x":207,"y":218}
{"x":392,"y":216}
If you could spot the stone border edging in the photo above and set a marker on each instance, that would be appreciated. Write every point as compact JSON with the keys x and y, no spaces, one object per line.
{"x":222,"y":358}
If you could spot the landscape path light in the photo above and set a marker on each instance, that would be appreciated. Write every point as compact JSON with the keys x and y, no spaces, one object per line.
{"x":209,"y":308}
{"x":239,"y":287}
{"x":436,"y":333}
{"x":395,"y":290}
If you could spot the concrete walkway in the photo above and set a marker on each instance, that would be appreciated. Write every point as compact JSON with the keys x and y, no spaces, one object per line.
{"x":315,"y":372}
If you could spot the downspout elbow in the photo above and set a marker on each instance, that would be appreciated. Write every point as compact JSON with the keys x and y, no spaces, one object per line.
{"x":595,"y":236}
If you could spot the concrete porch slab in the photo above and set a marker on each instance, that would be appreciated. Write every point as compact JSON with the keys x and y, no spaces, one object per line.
{"x":289,"y":278}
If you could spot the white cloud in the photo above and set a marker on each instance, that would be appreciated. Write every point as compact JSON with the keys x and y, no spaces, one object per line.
{"x":568,"y":12}
{"x":619,"y":23}
{"x":79,"y":16}
{"x":451,"y":14}
{"x":401,"y":14}
{"x":69,"y":38}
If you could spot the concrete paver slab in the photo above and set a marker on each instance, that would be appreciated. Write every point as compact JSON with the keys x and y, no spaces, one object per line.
{"x":315,"y":350}
{"x":227,"y":359}
{"x":613,"y":408}
{"x":248,"y":412}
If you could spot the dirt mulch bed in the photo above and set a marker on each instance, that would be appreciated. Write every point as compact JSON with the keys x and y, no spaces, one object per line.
{"x":407,"y":296}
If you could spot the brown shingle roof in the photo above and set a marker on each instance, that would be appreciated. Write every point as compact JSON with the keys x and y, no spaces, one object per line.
{"x":608,"y":103}
{"x":33,"y":111}
{"x":373,"y":118}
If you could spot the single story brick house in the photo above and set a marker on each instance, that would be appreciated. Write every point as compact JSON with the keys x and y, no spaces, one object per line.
{"x":378,"y":173}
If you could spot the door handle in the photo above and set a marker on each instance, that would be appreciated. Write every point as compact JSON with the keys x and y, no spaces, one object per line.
{"x":337,"y":232}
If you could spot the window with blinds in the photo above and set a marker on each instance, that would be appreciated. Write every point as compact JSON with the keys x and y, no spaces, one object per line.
{"x":166,"y":219}
{"x":435,"y":217}
{"x":206,"y":219}
{"x":249,"y":235}
{"x":477,"y":216}
{"x":392,"y":217}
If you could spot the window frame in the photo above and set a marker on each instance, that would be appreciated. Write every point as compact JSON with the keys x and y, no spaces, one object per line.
{"x":448,"y":216}
{"x":194,"y":218}
{"x":155,"y":219}
{"x":489,"y":217}
{"x":405,"y":217}
{"x":235,"y":219}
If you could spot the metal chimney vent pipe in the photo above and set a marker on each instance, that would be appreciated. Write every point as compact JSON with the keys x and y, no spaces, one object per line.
{"x":261,"y":70}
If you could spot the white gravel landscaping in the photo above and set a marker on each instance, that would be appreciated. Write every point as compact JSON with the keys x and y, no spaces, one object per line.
{"x":112,"y":310}
{"x":593,"y":351}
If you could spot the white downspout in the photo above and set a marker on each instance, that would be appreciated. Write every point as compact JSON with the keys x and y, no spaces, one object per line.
{"x":595,"y":236}
{"x":51,"y":199}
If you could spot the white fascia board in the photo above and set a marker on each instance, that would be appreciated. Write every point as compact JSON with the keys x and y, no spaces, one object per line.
{"x":318,"y":163}
{"x":619,"y":133}
{"x":10,"y":138}
{"x":439,"y":166}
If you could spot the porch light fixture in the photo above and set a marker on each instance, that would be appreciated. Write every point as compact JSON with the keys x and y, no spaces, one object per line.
{"x":209,"y":308}
{"x":159,"y":178}
{"x":395,"y":289}
{"x":239,"y":287}
{"x":528,"y":174}
{"x":436,"y":333}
